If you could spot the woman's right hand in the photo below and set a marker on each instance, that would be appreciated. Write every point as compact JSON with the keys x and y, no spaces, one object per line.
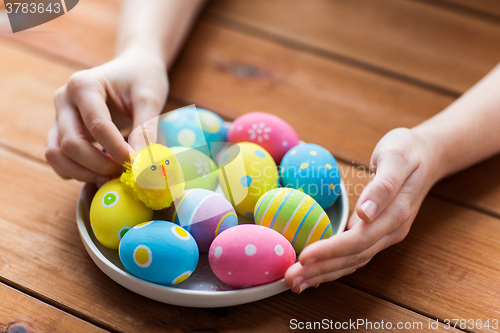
{"x":136,"y":83}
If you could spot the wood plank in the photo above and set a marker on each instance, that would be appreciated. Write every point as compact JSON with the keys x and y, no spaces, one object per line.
{"x":22,"y":313}
{"x":478,"y":186}
{"x":85,"y":35}
{"x":387,"y":34}
{"x":50,"y":250}
{"x":448,"y":265}
{"x":489,"y":7}
{"x":27,"y":85}
{"x":415,"y":39}
{"x":348,"y":109}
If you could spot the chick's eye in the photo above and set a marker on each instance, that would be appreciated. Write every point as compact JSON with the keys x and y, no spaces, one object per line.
{"x":153,"y":167}
{"x":167,"y":162}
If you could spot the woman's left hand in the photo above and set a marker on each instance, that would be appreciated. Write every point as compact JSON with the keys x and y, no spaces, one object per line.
{"x":403,"y":175}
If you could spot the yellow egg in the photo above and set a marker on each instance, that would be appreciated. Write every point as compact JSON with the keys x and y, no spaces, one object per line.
{"x":114,"y":211}
{"x":247,"y":171}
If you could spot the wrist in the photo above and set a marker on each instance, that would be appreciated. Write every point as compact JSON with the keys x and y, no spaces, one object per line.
{"x":144,"y":53}
{"x":437,"y":167}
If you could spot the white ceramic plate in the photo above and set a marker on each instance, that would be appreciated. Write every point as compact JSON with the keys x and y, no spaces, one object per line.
{"x":203,"y":289}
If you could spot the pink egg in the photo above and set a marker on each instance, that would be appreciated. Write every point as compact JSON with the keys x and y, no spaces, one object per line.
{"x":250,"y":255}
{"x":269,"y":131}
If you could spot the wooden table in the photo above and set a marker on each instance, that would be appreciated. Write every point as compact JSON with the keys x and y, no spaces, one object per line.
{"x":342,"y":73}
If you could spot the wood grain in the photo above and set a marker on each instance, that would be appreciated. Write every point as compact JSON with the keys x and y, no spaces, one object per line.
{"x":50,"y":260}
{"x":27,"y":86}
{"x":490,"y":7}
{"x":348,"y":109}
{"x":85,"y":35}
{"x":418,"y":40}
{"x":447,"y":266}
{"x":24,"y":314}
{"x":478,"y":186}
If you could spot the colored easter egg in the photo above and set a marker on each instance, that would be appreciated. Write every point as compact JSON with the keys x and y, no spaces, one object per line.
{"x":267,"y":130}
{"x":246,"y":172}
{"x":114,"y":211}
{"x":313,"y":170}
{"x":198,"y":169}
{"x":250,"y":255}
{"x":193,"y":127}
{"x":295,"y":215}
{"x":159,"y":252}
{"x":204,"y":214}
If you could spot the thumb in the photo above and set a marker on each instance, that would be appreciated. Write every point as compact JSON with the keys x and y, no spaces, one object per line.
{"x":145,"y":122}
{"x":392,"y":169}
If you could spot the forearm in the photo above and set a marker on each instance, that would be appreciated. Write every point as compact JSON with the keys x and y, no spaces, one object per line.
{"x":468,"y":130}
{"x":158,"y":26}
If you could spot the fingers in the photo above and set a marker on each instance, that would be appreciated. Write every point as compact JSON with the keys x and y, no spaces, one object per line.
{"x":392,"y":169}
{"x":146,"y":109}
{"x":74,"y":144}
{"x":339,"y":263}
{"x":350,"y":242}
{"x":297,"y":282}
{"x":88,"y":96}
{"x":327,"y":277}
{"x":300,"y":277}
{"x":64,"y":166}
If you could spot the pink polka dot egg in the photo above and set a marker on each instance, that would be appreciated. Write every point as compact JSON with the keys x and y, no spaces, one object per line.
{"x":249,"y":255}
{"x":267,"y":130}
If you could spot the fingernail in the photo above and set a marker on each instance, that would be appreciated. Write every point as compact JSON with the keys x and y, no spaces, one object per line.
{"x":297,"y":281}
{"x":369,"y":208}
{"x":101,"y":180}
{"x":303,"y":287}
{"x":310,"y":261}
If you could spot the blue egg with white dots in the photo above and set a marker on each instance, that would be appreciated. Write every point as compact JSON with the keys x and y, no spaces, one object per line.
{"x":193,"y":127}
{"x":159,"y":251}
{"x":313,"y":170}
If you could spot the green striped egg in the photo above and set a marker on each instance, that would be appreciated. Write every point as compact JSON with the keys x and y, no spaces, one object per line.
{"x":295,"y":215}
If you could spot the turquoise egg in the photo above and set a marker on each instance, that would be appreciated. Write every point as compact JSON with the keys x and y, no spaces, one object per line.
{"x":193,"y":128}
{"x":313,"y":170}
{"x":159,"y":252}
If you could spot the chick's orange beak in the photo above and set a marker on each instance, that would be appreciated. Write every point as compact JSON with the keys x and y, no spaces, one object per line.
{"x":164,"y":174}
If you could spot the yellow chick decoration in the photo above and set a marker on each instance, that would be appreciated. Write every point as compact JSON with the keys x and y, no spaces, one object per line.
{"x":155,"y":176}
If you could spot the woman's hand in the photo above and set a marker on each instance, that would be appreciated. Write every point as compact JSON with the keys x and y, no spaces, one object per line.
{"x":402,"y":163}
{"x":136,"y":83}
